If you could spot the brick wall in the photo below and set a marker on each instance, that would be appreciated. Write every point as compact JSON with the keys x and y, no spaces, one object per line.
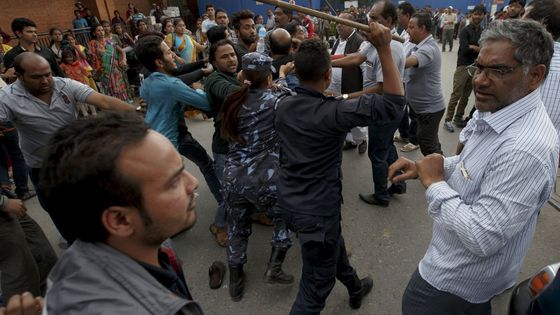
{"x":59,"y":13}
{"x":45,"y":13}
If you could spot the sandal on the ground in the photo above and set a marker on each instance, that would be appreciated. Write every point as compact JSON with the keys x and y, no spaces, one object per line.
{"x":216,"y":272}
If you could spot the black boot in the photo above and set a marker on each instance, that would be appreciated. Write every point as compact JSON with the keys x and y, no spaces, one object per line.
{"x":358,"y":290}
{"x":236,"y":282}
{"x":274,"y":273}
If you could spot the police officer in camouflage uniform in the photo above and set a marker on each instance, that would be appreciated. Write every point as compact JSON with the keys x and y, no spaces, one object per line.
{"x":250,"y":173}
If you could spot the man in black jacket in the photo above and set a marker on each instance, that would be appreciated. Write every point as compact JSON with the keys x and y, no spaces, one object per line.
{"x":311,"y":130}
{"x":349,"y":79}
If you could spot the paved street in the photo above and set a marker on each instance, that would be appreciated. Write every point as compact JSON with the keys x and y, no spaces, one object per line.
{"x":386,"y":243}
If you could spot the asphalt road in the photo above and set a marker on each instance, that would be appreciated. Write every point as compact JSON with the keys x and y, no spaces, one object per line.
{"x":386,"y":243}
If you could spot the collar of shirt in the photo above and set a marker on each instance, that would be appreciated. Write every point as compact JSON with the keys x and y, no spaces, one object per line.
{"x":504,"y":117}
{"x":37,"y":48}
{"x":430,"y":37}
{"x":19,"y":90}
{"x":310,"y":92}
{"x":340,"y":40}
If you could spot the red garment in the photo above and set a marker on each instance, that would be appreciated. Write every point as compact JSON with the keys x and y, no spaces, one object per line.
{"x":75,"y":71}
{"x":308,"y":24}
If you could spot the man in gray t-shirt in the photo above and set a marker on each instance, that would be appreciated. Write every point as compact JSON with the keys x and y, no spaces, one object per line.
{"x":38,"y":104}
{"x":423,"y":83}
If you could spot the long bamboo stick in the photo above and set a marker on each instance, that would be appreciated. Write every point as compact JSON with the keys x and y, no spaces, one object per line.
{"x":322,"y":15}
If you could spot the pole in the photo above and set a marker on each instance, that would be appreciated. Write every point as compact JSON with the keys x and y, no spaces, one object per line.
{"x":318,"y":14}
{"x":322,"y":15}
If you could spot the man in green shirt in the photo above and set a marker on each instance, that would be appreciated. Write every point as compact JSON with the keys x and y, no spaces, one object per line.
{"x":219,"y":84}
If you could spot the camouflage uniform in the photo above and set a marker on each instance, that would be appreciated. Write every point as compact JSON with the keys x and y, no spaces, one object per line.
{"x":250,"y":175}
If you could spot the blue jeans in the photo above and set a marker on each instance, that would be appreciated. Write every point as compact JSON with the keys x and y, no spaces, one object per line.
{"x":219,"y":164}
{"x":382,"y":153}
{"x":10,"y":145}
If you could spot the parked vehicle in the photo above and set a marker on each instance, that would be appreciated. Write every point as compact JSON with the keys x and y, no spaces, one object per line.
{"x":538,"y":295}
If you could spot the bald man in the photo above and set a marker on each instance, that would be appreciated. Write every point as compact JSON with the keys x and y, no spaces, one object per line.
{"x":280,"y":49}
{"x":39,"y":104}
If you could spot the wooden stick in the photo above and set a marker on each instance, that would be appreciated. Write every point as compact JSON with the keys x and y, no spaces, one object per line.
{"x":322,"y":15}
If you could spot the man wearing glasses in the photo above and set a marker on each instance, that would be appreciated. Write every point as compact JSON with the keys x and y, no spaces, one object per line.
{"x":485,"y":201}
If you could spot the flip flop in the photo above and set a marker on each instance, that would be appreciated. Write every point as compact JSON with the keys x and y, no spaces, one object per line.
{"x":216,"y":272}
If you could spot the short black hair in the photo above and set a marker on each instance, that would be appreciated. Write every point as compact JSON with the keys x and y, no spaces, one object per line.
{"x":423,"y":19}
{"x":215,"y":46}
{"x":80,"y":175}
{"x":140,"y":21}
{"x":220,"y":10}
{"x":241,"y":15}
{"x":480,"y":8}
{"x":103,"y":22}
{"x":18,"y":24}
{"x":389,"y":11}
{"x":406,"y":8}
{"x":216,"y":33}
{"x":285,"y":10}
{"x":209,"y":6}
{"x":521,"y":2}
{"x":147,"y":50}
{"x":312,"y":60}
{"x":546,"y":12}
{"x":292,"y":27}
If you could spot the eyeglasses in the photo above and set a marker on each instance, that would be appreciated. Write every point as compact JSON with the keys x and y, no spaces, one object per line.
{"x":492,"y":72}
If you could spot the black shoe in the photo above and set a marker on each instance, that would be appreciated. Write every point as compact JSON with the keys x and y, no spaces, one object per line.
{"x":460,"y":123}
{"x":349,"y":145}
{"x":373,"y":200}
{"x":236,"y":282}
{"x":356,"y":298}
{"x":362,"y":147}
{"x":396,"y":190}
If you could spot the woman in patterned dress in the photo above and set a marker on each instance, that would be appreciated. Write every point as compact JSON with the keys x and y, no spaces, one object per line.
{"x":108,"y":60}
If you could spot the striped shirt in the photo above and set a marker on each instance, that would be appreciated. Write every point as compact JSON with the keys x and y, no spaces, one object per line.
{"x":550,"y":90}
{"x":486,"y":210}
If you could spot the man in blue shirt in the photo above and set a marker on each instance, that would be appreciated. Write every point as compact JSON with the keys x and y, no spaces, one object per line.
{"x":79,"y":21}
{"x":166,"y":97}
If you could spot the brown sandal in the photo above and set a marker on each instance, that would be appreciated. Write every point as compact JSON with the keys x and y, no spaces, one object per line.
{"x":216,"y":272}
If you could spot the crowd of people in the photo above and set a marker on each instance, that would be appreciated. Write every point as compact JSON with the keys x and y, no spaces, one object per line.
{"x":286,"y":98}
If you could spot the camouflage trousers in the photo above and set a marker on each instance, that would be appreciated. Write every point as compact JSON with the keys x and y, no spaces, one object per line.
{"x":239,"y":210}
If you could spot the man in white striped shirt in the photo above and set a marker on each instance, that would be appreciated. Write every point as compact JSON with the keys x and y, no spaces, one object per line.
{"x":485,"y":201}
{"x":548,"y":13}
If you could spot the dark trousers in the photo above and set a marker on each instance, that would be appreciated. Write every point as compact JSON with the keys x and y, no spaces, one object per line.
{"x":324,"y":260}
{"x":427,"y":132}
{"x":26,"y":256}
{"x":192,"y":150}
{"x":408,"y":125}
{"x":10,"y":145}
{"x":63,"y":227}
{"x":382,"y":153}
{"x":421,"y":298}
